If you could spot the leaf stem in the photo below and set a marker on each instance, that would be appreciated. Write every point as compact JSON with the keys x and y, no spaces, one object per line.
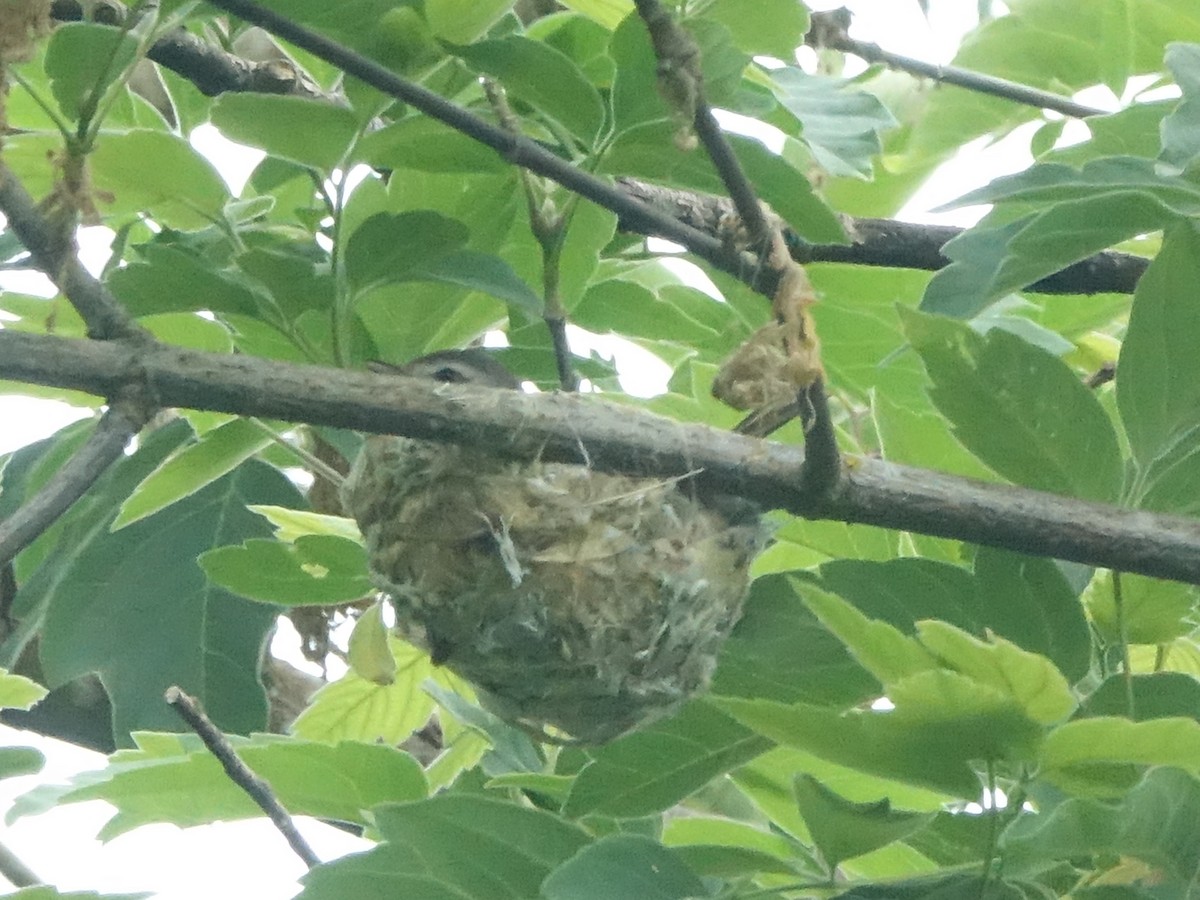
{"x":1123,"y":637}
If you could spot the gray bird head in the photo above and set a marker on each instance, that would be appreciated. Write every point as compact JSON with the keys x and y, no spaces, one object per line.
{"x":473,"y":366}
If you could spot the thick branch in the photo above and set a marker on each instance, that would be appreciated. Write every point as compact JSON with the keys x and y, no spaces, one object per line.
{"x":829,"y":30}
{"x":124,"y":418}
{"x":893,"y":244}
{"x":612,"y":438}
{"x":54,"y":254}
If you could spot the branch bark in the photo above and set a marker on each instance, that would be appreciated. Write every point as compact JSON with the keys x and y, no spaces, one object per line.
{"x":578,"y":429}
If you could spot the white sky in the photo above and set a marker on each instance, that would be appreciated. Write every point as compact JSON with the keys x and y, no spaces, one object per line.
{"x":250,"y":859}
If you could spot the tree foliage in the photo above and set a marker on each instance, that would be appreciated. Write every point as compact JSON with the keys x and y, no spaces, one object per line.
{"x":934,"y":708}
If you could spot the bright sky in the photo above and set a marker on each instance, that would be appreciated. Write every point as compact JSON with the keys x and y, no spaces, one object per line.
{"x":249,"y":859}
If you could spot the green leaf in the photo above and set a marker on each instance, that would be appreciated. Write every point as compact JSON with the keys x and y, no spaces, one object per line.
{"x":292,"y":523}
{"x":160,"y":175}
{"x":608,"y":13}
{"x":543,"y":77}
{"x":173,"y":781}
{"x":451,"y":847}
{"x":1029,"y":601}
{"x":780,"y":651}
{"x":1029,"y":679}
{"x":1158,"y":822}
{"x":19,"y":692}
{"x":311,"y":570}
{"x":1181,"y":129}
{"x":654,"y":768}
{"x":186,"y":471}
{"x":904,"y":591}
{"x":46,"y":892}
{"x":295,"y":282}
{"x":367,"y":649}
{"x":762,"y":27}
{"x":1156,"y":742}
{"x":389,"y":247}
{"x":83,"y":59}
{"x":1158,"y":380}
{"x":292,"y":128}
{"x":480,"y":272}
{"x":841,"y":124}
{"x":843,"y":830}
{"x":134,"y":607}
{"x":460,"y":21}
{"x":1019,"y":409}
{"x":1159,"y":695}
{"x":173,"y":280}
{"x":356,"y":708}
{"x":880,"y":648}
{"x":15,"y":761}
{"x":426,"y":145}
{"x":1155,"y":611}
{"x":623,"y":865}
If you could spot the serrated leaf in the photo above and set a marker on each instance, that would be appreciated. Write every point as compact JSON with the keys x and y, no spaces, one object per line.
{"x":1018,"y":409}
{"x":512,"y":850}
{"x":354,"y":708}
{"x":880,"y":648}
{"x":1031,"y":680}
{"x":188,"y":786}
{"x":543,"y":77}
{"x":19,"y":692}
{"x":654,"y":768}
{"x":186,"y":471}
{"x":1154,"y":611}
{"x":843,"y":830}
{"x":311,"y":570}
{"x":133,"y":606}
{"x":291,"y":128}
{"x":623,"y":865}
{"x":840,"y":123}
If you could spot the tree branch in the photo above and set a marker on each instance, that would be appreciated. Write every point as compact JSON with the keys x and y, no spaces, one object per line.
{"x":123,"y":419}
{"x":240,"y":774}
{"x":892,"y":244}
{"x":829,"y":29}
{"x":578,"y":429}
{"x":54,"y":254}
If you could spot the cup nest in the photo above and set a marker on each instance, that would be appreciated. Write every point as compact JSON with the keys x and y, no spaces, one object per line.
{"x":575,"y":600}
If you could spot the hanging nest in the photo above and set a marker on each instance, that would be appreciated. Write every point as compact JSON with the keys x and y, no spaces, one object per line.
{"x":582,"y":601}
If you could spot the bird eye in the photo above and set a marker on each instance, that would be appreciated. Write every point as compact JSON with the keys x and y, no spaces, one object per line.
{"x":450,"y":375}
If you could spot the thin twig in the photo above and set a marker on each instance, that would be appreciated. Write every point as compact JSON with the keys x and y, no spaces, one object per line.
{"x":829,"y":29}
{"x":54,"y":256}
{"x":517,"y":149}
{"x":549,"y":226}
{"x":680,"y":57}
{"x":239,"y":773}
{"x":560,"y":427}
{"x":124,"y":418}
{"x":14,"y":869}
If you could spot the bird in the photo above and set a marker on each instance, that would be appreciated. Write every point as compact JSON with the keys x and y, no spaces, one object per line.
{"x":579,"y":604}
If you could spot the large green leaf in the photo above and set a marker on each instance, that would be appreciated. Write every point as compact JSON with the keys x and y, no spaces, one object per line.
{"x":1086,"y":753}
{"x":292,"y":128}
{"x":904,"y":591}
{"x":173,"y":779}
{"x":1158,"y":380}
{"x":450,"y":848}
{"x":312,"y":570}
{"x":543,"y":77}
{"x":654,"y":768}
{"x":389,"y":247}
{"x":173,"y":280}
{"x":842,"y":829}
{"x":1152,"y":611}
{"x":83,"y":59}
{"x":159,"y":175}
{"x":770,"y":27}
{"x":840,"y":123}
{"x":1019,"y":409}
{"x":134,"y":606}
{"x":623,"y":865}
{"x":426,"y":145}
{"x":1181,"y":129}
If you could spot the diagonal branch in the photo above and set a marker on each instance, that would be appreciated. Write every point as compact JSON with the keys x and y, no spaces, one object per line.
{"x":577,"y":429}
{"x":829,"y":29}
{"x":106,"y":444}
